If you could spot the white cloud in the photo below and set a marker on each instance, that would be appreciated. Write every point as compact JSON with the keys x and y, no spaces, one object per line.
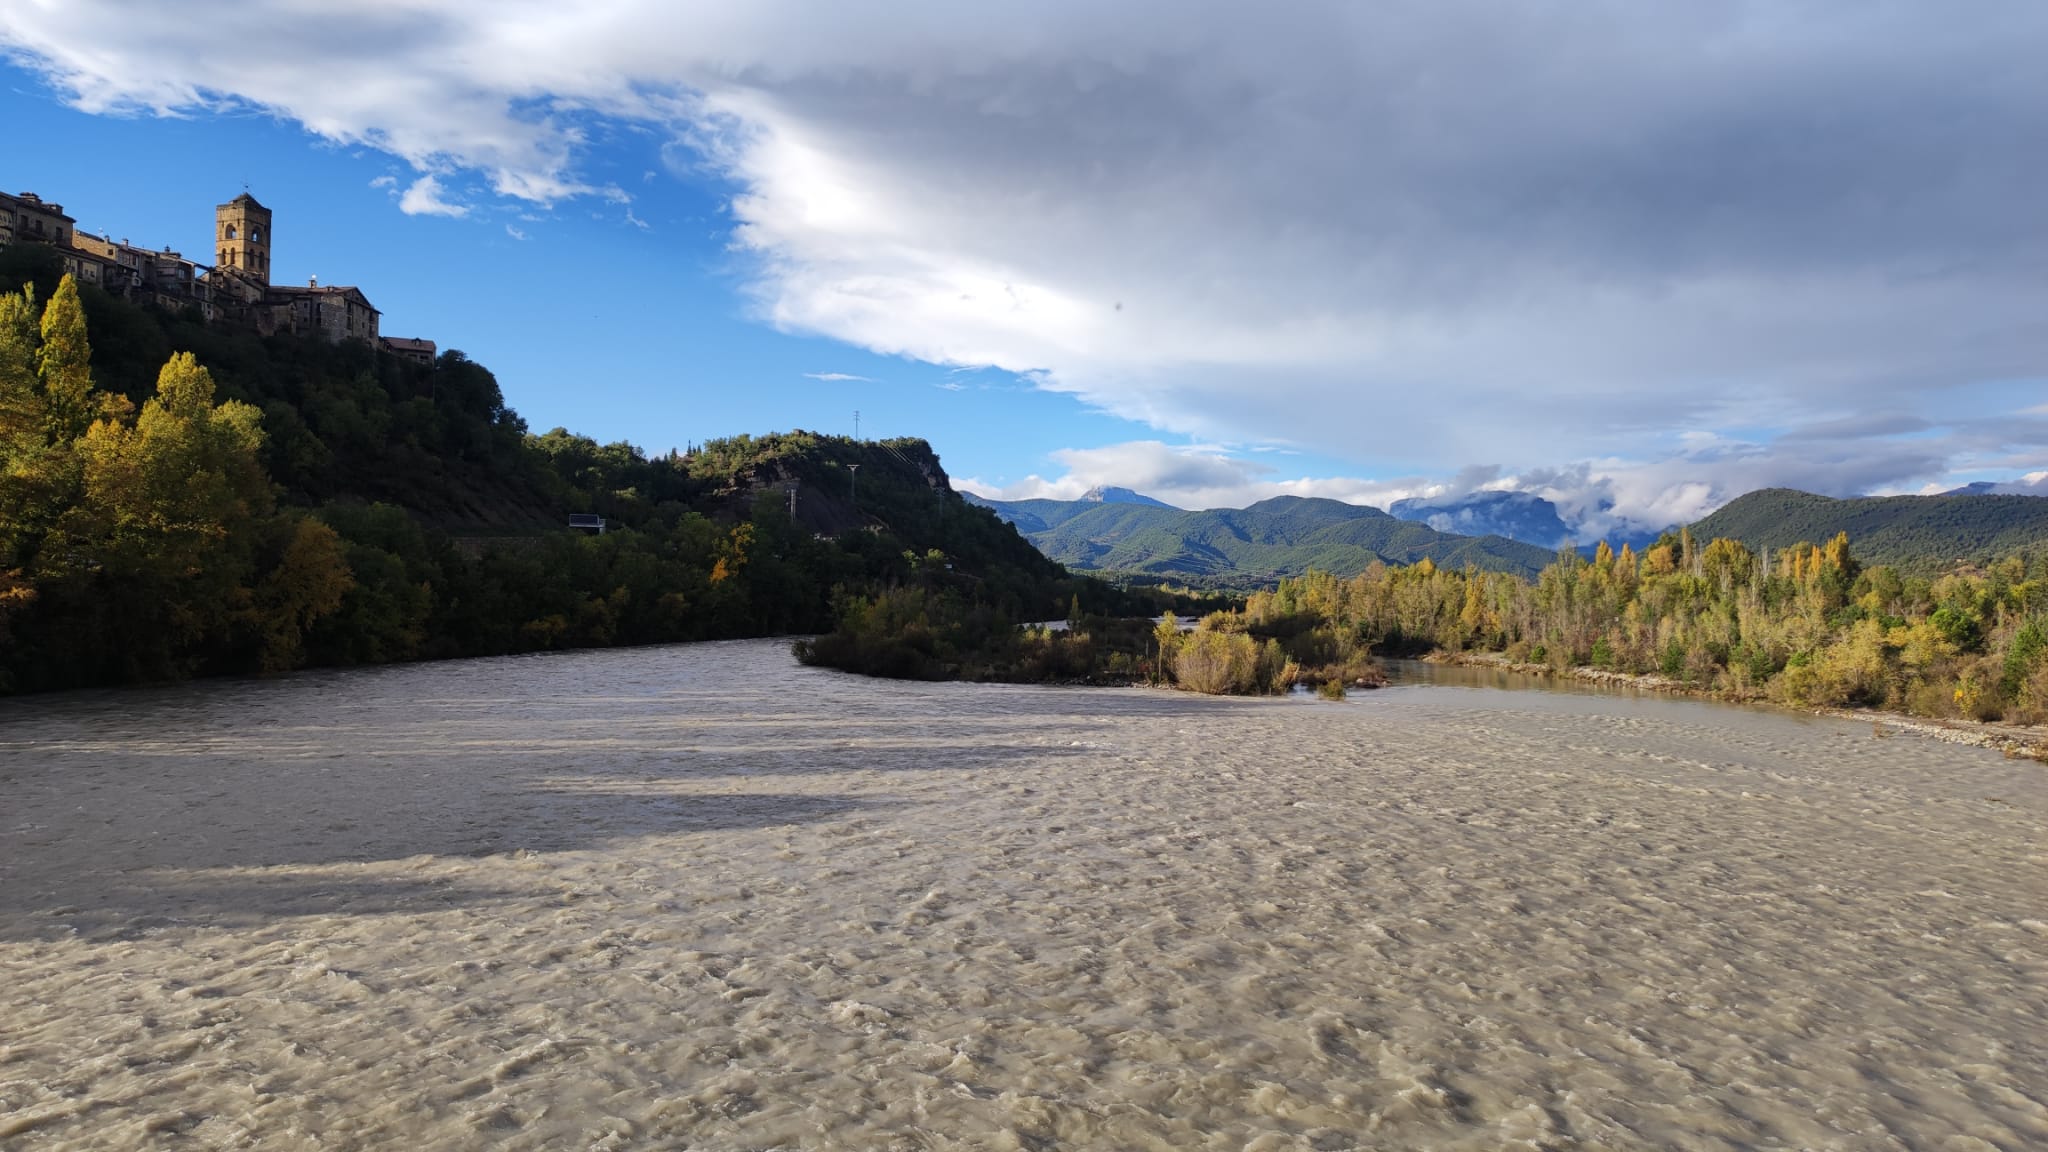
{"x":384,"y":182}
{"x":2031,"y":484}
{"x":1186,"y":476}
{"x":838,"y":377}
{"x":514,"y":233}
{"x":1404,"y":232}
{"x":423,"y":198}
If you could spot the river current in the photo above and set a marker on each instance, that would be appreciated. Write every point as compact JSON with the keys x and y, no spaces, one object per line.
{"x":701,"y":897}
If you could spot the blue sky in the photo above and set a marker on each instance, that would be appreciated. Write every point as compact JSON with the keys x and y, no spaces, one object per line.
{"x":1635,"y":258}
{"x":618,"y":321}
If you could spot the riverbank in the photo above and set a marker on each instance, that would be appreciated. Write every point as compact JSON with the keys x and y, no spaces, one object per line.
{"x":2030,"y":742}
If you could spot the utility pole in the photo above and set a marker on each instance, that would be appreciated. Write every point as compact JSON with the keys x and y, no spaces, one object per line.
{"x":853,"y":484}
{"x":856,"y":424}
{"x":792,"y":500}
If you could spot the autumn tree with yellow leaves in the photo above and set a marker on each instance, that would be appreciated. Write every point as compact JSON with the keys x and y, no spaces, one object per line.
{"x":1806,"y":625}
{"x":141,"y":544}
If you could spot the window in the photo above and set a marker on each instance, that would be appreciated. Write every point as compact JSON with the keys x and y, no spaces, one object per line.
{"x":231,"y":231}
{"x":255,"y":235}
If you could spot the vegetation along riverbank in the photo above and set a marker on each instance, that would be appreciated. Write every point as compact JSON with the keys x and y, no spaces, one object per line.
{"x":1806,"y":626}
{"x":2027,"y":740}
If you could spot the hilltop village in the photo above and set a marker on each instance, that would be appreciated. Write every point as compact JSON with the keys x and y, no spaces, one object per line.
{"x":235,"y":289}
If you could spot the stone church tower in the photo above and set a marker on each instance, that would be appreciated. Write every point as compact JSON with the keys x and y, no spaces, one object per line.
{"x":242,"y":233}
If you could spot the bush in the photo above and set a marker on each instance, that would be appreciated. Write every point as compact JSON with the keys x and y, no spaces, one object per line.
{"x":1671,"y":661}
{"x":2022,"y":656}
{"x":1216,"y":663}
{"x":1958,"y":627}
{"x":1603,"y":653}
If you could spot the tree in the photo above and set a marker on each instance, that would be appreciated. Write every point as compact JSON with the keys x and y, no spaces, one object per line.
{"x":23,"y":422}
{"x":27,"y":469}
{"x":158,"y":548}
{"x":64,"y":363}
{"x":309,"y":582}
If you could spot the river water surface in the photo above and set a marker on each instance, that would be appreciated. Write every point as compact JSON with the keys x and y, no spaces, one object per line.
{"x":700,"y":897}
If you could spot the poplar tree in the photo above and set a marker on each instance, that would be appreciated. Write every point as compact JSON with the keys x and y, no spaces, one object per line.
{"x":22,"y":420}
{"x":64,"y":363}
{"x":160,"y":546}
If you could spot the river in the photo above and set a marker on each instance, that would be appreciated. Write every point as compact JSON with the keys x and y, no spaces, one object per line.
{"x":701,"y":897}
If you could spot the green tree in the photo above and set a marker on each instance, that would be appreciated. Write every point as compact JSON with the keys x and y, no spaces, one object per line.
{"x":30,"y":472}
{"x":23,"y":421}
{"x":64,"y":363}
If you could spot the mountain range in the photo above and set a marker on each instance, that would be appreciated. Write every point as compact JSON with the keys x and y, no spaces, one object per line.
{"x":1118,"y":530}
{"x":1283,"y":536}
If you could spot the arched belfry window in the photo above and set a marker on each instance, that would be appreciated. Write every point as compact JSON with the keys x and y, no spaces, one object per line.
{"x":255,"y":235}
{"x":231,"y":231}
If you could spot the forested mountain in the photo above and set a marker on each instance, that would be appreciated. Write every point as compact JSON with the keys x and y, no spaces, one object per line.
{"x":1284,"y":536}
{"x":1913,"y":533}
{"x":179,"y":499}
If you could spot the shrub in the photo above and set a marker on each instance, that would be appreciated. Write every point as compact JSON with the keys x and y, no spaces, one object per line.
{"x":1958,"y":627}
{"x":1603,"y":653}
{"x":1216,"y":663}
{"x":1671,"y":661}
{"x":2022,"y":655}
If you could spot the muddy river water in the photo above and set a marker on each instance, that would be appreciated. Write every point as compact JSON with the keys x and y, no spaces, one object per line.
{"x":700,"y":897}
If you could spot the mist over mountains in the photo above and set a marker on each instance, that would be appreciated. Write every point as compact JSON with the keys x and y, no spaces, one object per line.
{"x":1522,"y":516}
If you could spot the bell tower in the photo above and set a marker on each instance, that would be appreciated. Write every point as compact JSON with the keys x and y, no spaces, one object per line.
{"x":241,"y":230}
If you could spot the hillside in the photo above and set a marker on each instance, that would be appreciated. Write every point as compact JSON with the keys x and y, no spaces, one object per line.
{"x":255,"y":504}
{"x":1284,"y":536}
{"x":1921,"y":533}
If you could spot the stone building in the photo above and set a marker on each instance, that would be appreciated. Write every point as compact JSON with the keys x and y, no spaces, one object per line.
{"x":242,"y":231}
{"x":419,"y":351}
{"x":163,"y":278}
{"x":235,"y":290}
{"x":243,"y":239}
{"x":333,"y":312}
{"x":28,"y":218}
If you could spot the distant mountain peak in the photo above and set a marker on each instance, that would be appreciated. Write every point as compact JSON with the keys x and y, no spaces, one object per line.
{"x":1108,"y":495}
{"x":1523,"y":516}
